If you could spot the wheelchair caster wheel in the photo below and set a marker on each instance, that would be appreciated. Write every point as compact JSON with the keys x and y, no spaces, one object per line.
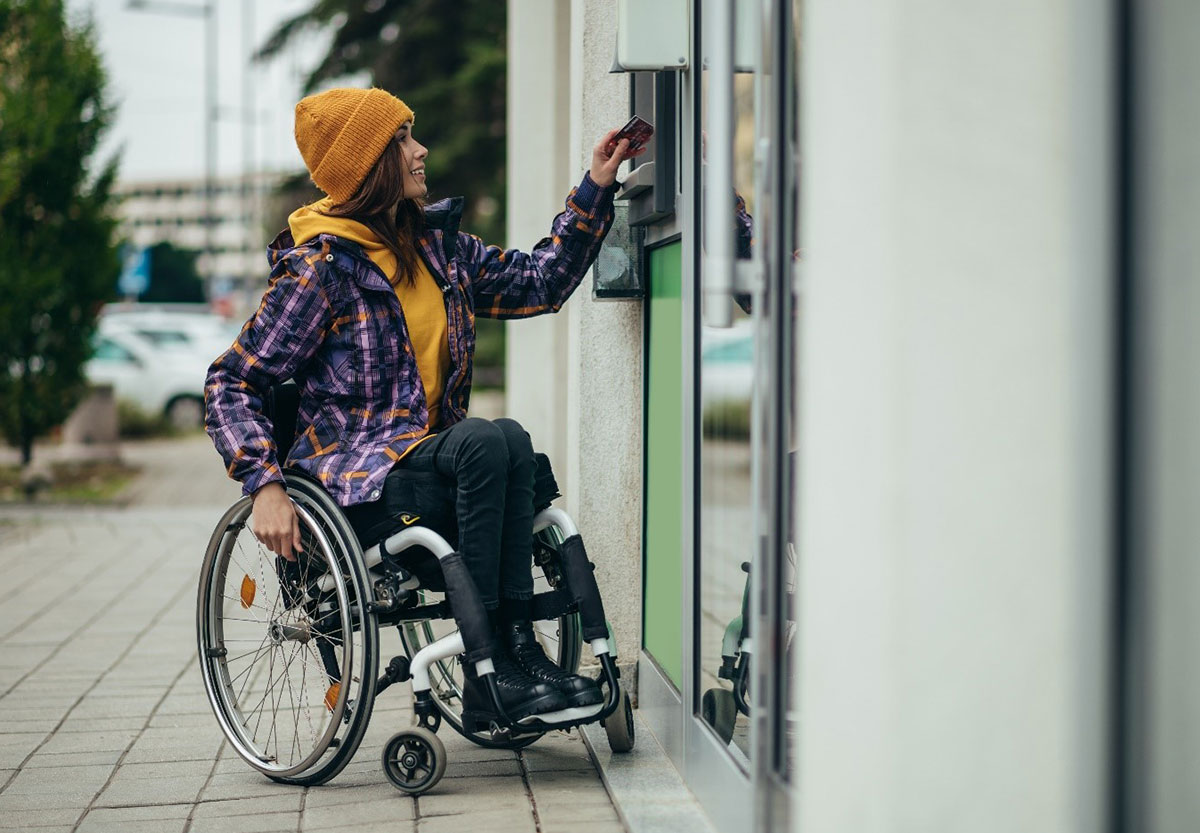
{"x":414,"y":760}
{"x":619,"y":726}
{"x":719,"y":710}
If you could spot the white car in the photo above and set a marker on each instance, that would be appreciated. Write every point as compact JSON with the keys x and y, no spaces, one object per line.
{"x":195,"y":332}
{"x":726,"y":363}
{"x":156,"y":380}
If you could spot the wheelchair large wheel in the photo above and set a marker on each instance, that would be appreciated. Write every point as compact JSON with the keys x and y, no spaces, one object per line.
{"x":289,"y":654}
{"x":561,"y":638}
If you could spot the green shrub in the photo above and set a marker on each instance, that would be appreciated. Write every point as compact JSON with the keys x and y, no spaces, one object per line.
{"x":135,"y":424}
{"x":727,"y":419}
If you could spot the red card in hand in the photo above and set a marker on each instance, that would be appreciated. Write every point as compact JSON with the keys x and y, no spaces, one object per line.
{"x":637,"y":130}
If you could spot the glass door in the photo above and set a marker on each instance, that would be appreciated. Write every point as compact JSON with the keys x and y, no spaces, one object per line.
{"x":728,"y":362}
{"x":740,"y":729}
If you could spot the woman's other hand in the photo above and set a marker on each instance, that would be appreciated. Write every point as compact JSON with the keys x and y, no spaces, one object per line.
{"x":274,"y":521}
{"x":608,"y":155}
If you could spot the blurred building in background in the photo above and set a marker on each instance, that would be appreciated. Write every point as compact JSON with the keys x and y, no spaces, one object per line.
{"x":232,"y":243}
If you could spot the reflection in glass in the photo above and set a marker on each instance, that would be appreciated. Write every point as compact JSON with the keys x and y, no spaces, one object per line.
{"x":727,"y":370}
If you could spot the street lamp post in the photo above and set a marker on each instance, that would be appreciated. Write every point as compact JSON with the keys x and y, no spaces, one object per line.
{"x":206,"y":10}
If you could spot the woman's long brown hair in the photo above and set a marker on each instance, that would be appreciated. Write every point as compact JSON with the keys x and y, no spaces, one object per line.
{"x":372,"y":205}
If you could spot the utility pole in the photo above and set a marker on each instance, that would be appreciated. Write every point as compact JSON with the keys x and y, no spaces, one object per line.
{"x":208,"y":11}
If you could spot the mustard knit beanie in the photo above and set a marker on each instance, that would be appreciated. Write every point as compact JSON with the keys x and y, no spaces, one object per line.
{"x":342,"y":133}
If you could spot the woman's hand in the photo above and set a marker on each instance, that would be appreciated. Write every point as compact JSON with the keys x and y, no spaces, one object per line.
{"x":608,"y":155}
{"x":274,"y":521}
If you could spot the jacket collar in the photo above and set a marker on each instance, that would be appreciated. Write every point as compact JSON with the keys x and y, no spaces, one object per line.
{"x":442,"y":221}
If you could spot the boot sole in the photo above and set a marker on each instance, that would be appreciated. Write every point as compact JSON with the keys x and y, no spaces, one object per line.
{"x":530,"y":708}
{"x":581,"y":699}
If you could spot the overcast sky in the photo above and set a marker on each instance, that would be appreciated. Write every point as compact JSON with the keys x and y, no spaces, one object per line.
{"x":155,"y":64}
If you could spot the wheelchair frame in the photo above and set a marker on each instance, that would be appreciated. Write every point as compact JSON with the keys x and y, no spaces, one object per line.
{"x":374,"y":591}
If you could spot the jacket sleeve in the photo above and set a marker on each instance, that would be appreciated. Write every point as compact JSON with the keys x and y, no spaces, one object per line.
{"x":283,"y":335}
{"x":515,"y":284}
{"x":744,"y":238}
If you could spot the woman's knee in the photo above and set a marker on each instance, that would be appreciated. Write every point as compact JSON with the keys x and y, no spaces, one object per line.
{"x":516,"y":438}
{"x":482,"y":443}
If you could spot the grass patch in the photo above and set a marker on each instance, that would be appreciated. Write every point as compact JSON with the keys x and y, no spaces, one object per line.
{"x":82,"y":482}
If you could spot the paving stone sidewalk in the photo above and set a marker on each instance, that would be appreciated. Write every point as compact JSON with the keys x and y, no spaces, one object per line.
{"x":104,"y":725}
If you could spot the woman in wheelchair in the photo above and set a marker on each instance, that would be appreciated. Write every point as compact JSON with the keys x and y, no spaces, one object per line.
{"x":370,"y":309}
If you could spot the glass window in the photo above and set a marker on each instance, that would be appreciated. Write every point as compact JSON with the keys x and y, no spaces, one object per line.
{"x":109,"y":351}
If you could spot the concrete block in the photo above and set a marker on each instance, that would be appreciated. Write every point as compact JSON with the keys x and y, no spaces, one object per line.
{"x":285,"y":803}
{"x":92,"y":426}
{"x":13,"y":818}
{"x":259,"y":823}
{"x":497,"y":821}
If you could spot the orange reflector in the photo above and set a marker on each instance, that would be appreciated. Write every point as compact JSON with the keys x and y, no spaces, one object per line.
{"x":331,"y":696}
{"x":248,"y":590}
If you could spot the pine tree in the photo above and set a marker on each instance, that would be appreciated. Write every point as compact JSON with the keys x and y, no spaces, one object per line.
{"x":57,"y":228}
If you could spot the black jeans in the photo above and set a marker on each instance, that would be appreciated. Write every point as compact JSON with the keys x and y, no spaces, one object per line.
{"x":491,"y":466}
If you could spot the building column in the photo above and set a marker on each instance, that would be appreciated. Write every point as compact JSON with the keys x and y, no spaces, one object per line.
{"x":955,"y":435}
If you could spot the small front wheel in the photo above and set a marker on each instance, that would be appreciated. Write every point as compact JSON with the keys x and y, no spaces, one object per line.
{"x":414,"y":760}
{"x":619,"y":726}
{"x":719,"y":710}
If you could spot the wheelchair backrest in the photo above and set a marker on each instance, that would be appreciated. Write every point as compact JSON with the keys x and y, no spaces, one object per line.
{"x":282,"y":407}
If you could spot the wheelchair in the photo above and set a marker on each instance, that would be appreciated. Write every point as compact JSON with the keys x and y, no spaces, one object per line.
{"x":720,"y":706}
{"x":290,"y":650}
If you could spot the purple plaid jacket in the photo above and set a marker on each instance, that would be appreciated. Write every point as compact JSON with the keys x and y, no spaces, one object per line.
{"x":330,"y":320}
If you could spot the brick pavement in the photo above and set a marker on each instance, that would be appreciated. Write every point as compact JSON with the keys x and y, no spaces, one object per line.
{"x":105,"y":725}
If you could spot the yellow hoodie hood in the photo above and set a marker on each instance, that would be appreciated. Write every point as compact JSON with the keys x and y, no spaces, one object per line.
{"x":307,"y":222}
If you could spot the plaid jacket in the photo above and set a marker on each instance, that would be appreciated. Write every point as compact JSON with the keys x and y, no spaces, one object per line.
{"x":330,"y":320}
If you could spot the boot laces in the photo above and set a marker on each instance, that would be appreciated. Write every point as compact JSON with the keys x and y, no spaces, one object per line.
{"x":509,"y":672}
{"x":531,"y":656}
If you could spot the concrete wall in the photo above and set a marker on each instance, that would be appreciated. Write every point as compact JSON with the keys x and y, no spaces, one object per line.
{"x":953,"y":509}
{"x":540,"y":173}
{"x":575,"y":378}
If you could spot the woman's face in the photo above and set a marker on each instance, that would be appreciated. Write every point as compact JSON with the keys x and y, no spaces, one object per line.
{"x":414,"y":154}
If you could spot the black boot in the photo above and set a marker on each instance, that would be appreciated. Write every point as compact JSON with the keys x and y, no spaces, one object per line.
{"x":523,"y":646}
{"x":520,"y":694}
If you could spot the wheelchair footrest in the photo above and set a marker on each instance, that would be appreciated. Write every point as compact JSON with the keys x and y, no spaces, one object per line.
{"x":573,"y":716}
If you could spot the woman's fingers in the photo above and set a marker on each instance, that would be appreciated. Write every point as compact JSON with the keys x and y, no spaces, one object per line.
{"x":605,"y":145}
{"x":275,"y":523}
{"x":608,"y":155}
{"x":297,"y":542}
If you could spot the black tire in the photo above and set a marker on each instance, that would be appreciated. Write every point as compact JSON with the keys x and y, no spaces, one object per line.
{"x":414,"y":760}
{"x":303,"y":627}
{"x":619,"y":726}
{"x":720,"y":711}
{"x":562,"y":639}
{"x":185,"y":412}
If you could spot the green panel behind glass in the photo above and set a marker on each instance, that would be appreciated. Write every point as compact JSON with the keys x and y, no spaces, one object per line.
{"x":662,"y":597}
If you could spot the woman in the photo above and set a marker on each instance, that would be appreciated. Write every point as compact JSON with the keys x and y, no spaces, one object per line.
{"x":371,"y":308}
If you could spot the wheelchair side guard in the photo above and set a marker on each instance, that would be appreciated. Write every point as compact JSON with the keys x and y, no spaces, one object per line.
{"x":468,"y":609}
{"x":730,"y":648}
{"x":582,"y":581}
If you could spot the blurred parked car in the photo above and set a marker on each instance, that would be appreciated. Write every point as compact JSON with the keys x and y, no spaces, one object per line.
{"x":156,"y":380}
{"x":191,"y":331}
{"x":726,"y":364}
